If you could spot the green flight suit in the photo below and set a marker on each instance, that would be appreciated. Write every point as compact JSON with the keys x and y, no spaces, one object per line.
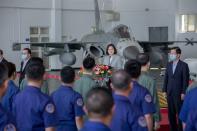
{"x":149,"y":82}
{"x":44,"y":87}
{"x":84,"y":84}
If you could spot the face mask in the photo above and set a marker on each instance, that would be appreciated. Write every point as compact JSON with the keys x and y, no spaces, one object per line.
{"x":24,"y":57}
{"x":172,"y":57}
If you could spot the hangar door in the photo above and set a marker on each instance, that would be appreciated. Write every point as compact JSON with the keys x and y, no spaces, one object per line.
{"x":158,"y":34}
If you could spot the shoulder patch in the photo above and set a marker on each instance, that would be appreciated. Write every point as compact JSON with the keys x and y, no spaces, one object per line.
{"x":142,"y":121}
{"x":10,"y":127}
{"x":50,"y":108}
{"x":80,"y":102}
{"x":148,"y":98}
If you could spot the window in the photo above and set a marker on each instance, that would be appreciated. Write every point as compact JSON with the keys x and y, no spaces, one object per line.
{"x":188,"y":23}
{"x":37,"y":35}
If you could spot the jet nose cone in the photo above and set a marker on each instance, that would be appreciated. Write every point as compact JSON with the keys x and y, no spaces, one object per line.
{"x":131,"y":52}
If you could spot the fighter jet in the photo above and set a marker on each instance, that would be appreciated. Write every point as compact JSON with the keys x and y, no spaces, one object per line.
{"x":95,"y":44}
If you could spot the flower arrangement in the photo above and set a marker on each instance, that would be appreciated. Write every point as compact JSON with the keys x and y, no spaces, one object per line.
{"x":102,"y":71}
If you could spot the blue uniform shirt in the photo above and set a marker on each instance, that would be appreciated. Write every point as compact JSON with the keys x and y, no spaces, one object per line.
{"x":8,"y":98}
{"x":126,"y":117}
{"x":7,"y":123}
{"x":95,"y":126}
{"x":141,"y":98}
{"x":188,"y":104}
{"x":34,"y":111}
{"x":191,"y":124}
{"x":69,"y":105}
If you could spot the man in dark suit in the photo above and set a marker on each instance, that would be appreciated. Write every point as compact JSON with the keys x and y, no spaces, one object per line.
{"x":26,"y":55}
{"x":2,"y":59}
{"x":175,"y":83}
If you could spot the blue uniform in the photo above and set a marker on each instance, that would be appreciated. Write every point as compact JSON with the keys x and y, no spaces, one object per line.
{"x":191,"y":124}
{"x":126,"y":117}
{"x":8,"y":98}
{"x":69,"y":105}
{"x":34,"y":111}
{"x":7,"y":123}
{"x":188,"y":104}
{"x":95,"y":126}
{"x":141,"y":98}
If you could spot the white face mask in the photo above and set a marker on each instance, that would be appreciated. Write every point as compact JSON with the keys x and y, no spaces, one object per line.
{"x":24,"y":56}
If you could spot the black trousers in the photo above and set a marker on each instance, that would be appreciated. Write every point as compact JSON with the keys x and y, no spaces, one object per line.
{"x":174,"y":108}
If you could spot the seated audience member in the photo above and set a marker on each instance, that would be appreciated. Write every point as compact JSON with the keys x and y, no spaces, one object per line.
{"x":99,"y":107}
{"x":140,"y":97}
{"x":111,"y":58}
{"x":34,"y":110}
{"x":2,"y":59}
{"x":126,"y":117}
{"x":191,"y":123}
{"x":86,"y":82}
{"x":44,"y":87}
{"x":149,"y":82}
{"x":189,"y":104}
{"x":7,"y":122}
{"x":69,"y":103}
{"x":12,"y":89}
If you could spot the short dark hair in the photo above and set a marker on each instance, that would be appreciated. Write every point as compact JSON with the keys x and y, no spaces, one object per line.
{"x":143,"y":58}
{"x":28,"y":50}
{"x":11,"y":68}
{"x":133,"y":68}
{"x":67,"y":74}
{"x":35,"y":71}
{"x":3,"y":73}
{"x":178,"y":50}
{"x":99,"y":101}
{"x":88,"y":63}
{"x":112,"y":45}
{"x":1,"y":51}
{"x":121,"y":80}
{"x":36,"y":60}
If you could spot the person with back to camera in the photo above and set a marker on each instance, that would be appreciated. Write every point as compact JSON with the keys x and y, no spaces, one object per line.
{"x":12,"y":89}
{"x":69,"y":103}
{"x":112,"y":59}
{"x":126,"y":116}
{"x":140,"y":97}
{"x":7,"y":122}
{"x":148,"y":81}
{"x":99,"y":107}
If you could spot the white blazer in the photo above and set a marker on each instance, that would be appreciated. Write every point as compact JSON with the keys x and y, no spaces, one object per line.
{"x":115,"y":62}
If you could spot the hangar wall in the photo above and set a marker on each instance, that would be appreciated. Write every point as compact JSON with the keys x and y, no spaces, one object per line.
{"x":69,"y":19}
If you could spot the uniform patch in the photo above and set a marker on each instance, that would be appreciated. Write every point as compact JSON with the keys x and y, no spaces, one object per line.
{"x":80,"y":102}
{"x":142,"y":121}
{"x":50,"y":108}
{"x":148,"y":98}
{"x":10,"y":127}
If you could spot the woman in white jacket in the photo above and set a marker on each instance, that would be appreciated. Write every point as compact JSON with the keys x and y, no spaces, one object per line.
{"x":111,"y":58}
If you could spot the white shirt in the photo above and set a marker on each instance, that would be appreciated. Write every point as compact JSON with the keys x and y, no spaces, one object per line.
{"x":24,"y":63}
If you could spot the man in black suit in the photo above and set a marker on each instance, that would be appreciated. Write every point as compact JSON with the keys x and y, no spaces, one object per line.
{"x":2,"y":59}
{"x":26,"y":55}
{"x":175,"y":83}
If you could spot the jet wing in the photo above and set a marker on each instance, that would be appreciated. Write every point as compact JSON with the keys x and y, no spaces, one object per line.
{"x":153,"y":43}
{"x":71,"y":45}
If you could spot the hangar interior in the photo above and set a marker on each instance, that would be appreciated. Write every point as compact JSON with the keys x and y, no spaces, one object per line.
{"x":65,"y":20}
{"x":25,"y":21}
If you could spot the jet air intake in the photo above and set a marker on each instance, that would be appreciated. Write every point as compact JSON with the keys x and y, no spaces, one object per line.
{"x":96,"y":51}
{"x":131,"y":52}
